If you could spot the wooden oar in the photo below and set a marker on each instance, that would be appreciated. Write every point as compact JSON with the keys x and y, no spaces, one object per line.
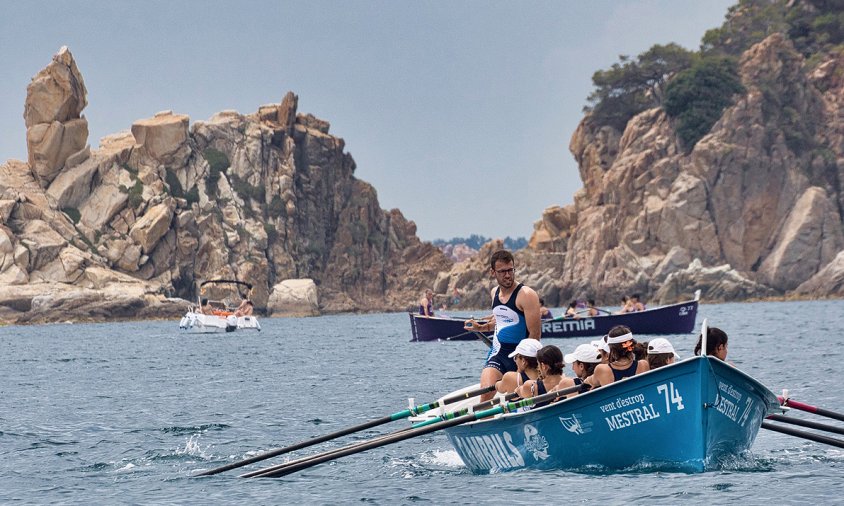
{"x":811,"y":409}
{"x":367,"y":425}
{"x":292,"y":467}
{"x":806,"y":423}
{"x":802,"y":434}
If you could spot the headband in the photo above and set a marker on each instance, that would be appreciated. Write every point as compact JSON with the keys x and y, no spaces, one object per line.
{"x":620,"y":339}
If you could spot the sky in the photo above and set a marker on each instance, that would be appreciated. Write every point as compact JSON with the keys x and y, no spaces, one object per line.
{"x":459,"y":113}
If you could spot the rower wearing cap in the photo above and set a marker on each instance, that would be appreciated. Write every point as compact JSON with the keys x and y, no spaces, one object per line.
{"x":660,"y":353}
{"x":515,"y":308}
{"x":583,"y":361}
{"x":550,"y":365}
{"x":527,"y":367}
{"x":622,"y":363}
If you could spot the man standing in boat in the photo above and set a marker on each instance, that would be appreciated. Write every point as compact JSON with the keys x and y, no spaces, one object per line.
{"x":515,"y":309}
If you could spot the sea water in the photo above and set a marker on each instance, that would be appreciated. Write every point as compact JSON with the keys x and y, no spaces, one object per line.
{"x":130,"y":412}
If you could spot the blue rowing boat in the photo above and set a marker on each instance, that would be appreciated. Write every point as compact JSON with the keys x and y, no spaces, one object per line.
{"x":687,"y":416}
{"x":671,"y":319}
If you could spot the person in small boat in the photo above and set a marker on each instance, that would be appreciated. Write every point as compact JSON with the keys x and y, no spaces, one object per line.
{"x":205,"y":307}
{"x":660,"y":353}
{"x":583,"y":361}
{"x":426,"y":303}
{"x":626,"y":305}
{"x":592,"y":310}
{"x":716,"y":343}
{"x":455,"y":297}
{"x":550,"y":365}
{"x":622,"y":361}
{"x":515,"y":308}
{"x":245,"y":308}
{"x":544,"y":312}
{"x":636,"y":303}
{"x":527,"y":366}
{"x":571,"y":312}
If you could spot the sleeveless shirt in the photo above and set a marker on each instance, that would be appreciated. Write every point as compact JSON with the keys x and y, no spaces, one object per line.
{"x":510,"y":326}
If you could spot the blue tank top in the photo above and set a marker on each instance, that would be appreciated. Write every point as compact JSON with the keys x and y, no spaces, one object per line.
{"x":510,"y":326}
{"x":626,"y":373}
{"x":430,"y":309}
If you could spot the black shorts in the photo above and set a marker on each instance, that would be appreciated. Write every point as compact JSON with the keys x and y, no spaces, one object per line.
{"x":498,"y":359}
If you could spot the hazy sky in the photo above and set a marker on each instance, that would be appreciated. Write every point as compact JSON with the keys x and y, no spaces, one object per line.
{"x":459,"y":113}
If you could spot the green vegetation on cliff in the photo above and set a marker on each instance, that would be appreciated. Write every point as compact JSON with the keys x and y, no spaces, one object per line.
{"x":694,"y":88}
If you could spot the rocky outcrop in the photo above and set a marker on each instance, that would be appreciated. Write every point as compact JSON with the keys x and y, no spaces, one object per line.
{"x":294,"y":297}
{"x":754,"y":210}
{"x":56,"y":133}
{"x":258,"y":197}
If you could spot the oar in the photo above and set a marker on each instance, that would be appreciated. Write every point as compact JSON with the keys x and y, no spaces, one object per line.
{"x":372,"y":423}
{"x":806,"y":423}
{"x":805,"y":435}
{"x":292,"y":467}
{"x":811,"y":409}
{"x":483,"y":338}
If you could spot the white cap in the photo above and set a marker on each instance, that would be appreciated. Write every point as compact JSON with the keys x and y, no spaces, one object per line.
{"x":527,"y":348}
{"x":587,"y":353}
{"x":661,"y":345}
{"x":602,"y":345}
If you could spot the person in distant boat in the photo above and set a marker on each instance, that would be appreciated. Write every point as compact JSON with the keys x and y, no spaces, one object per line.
{"x":583,"y":361}
{"x":455,"y":297}
{"x":626,"y":305}
{"x":527,"y":367}
{"x":636,"y":303}
{"x":592,"y":311}
{"x":571,"y":312}
{"x":515,"y":308}
{"x":426,"y":303}
{"x":205,"y":307}
{"x":660,"y":353}
{"x":544,"y":312}
{"x":550,"y":365}
{"x":716,"y":343}
{"x":622,"y":361}
{"x":245,"y":308}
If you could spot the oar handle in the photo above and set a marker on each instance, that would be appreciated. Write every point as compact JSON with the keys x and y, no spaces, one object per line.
{"x":468,"y":395}
{"x":811,"y":409}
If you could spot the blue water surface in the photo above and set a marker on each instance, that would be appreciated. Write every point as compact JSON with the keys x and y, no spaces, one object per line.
{"x":130,"y":412}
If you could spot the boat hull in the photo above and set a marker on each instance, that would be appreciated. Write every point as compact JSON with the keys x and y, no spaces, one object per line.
{"x":209,"y":323}
{"x":687,"y":416}
{"x":672,"y":319}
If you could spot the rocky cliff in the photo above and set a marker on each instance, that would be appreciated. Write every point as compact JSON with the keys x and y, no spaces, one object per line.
{"x":128,"y":229}
{"x":746,"y":213}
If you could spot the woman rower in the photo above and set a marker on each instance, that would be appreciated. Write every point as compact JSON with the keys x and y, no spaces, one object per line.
{"x":661,"y":353}
{"x":583,"y":361}
{"x":526,"y":366}
{"x":716,"y":343}
{"x":622,"y":361}
{"x":550,"y":365}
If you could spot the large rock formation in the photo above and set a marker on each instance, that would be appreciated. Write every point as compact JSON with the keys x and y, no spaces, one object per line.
{"x":262,"y":197}
{"x":750,"y":212}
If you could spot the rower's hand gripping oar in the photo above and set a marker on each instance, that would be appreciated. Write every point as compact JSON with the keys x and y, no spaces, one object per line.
{"x":292,"y":467}
{"x":366,"y":425}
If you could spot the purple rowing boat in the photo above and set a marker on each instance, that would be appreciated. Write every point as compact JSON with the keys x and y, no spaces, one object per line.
{"x":672,"y":319}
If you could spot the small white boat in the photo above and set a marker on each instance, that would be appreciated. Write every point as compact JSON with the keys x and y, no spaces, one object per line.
{"x":210,"y":323}
{"x":223,"y":318}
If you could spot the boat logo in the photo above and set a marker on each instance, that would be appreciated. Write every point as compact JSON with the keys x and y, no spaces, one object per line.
{"x":535,"y":443}
{"x":572,"y":424}
{"x":683,"y":311}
